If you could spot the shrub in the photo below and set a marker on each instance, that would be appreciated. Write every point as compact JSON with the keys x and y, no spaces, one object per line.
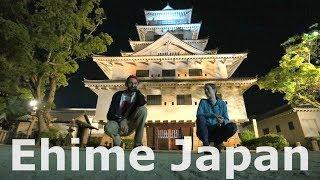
{"x":273,"y":140}
{"x":128,"y":143}
{"x":247,"y":135}
{"x":56,"y":138}
{"x":93,"y":142}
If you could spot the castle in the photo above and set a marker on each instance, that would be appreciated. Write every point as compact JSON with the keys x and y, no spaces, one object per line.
{"x":172,"y":64}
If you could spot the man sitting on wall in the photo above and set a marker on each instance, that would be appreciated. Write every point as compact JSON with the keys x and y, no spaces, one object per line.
{"x":213,"y":123}
{"x":127,"y":113}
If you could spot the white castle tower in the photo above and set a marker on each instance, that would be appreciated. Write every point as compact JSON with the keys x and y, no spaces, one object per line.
{"x":172,"y":65}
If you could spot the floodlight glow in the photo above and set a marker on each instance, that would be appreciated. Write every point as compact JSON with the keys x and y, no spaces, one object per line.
{"x":315,"y":33}
{"x":33,"y":103}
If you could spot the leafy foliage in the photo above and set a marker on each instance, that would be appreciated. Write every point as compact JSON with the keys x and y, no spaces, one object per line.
{"x":247,"y":135}
{"x":93,"y":142}
{"x":56,"y":138}
{"x":128,"y":142}
{"x":273,"y":140}
{"x":42,"y":40}
{"x":298,"y":74}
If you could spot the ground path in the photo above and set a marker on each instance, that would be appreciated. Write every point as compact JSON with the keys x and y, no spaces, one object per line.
{"x":163,"y":160}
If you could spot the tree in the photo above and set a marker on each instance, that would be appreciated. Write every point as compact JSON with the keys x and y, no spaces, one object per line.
{"x":15,"y":60}
{"x":298,"y":74}
{"x":59,"y":33}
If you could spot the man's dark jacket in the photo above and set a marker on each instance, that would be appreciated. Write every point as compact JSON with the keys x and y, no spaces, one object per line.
{"x":114,"y":109}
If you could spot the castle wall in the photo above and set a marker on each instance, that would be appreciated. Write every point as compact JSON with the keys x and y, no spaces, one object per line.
{"x":235,"y":103}
{"x":210,"y":69}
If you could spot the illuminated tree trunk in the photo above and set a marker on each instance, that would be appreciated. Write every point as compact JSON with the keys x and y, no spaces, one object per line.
{"x":52,"y":93}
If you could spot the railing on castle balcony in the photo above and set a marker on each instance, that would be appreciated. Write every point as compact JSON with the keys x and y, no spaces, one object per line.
{"x":3,"y":136}
{"x":167,"y":22}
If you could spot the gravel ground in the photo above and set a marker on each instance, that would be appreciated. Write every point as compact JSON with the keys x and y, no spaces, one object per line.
{"x":163,"y":160}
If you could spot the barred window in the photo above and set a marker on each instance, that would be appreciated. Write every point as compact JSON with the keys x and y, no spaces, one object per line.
{"x":291,"y":126}
{"x":179,"y":36}
{"x":265,"y":131}
{"x":168,"y":73}
{"x":184,"y":99}
{"x":195,"y":72}
{"x":142,"y":73}
{"x":156,"y":36}
{"x":100,"y":124}
{"x":154,"y":100}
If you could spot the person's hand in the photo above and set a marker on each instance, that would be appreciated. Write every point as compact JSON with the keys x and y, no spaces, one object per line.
{"x":124,"y":128}
{"x":220,"y":119}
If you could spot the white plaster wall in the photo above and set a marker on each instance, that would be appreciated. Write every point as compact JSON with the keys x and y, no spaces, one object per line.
{"x":213,"y":69}
{"x":236,"y":106}
{"x":310,"y":122}
{"x":282,"y":119}
{"x":103,"y":103}
{"x":235,"y":103}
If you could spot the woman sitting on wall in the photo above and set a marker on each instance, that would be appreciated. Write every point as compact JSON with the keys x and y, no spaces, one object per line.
{"x":213,"y":123}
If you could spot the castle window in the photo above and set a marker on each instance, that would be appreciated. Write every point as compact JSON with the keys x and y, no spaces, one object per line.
{"x":180,"y":36}
{"x":100,"y":124}
{"x":195,"y":72}
{"x":168,"y":73}
{"x":184,"y":99}
{"x":154,"y":100}
{"x":172,"y":103}
{"x":265,"y":131}
{"x":278,"y":128}
{"x":291,"y":126}
{"x":156,"y":36}
{"x":142,"y":73}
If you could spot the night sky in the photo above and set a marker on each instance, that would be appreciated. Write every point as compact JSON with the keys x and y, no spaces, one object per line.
{"x":257,"y":27}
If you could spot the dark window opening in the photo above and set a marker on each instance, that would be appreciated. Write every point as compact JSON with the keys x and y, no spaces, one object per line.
{"x":154,"y":99}
{"x":266,"y":131}
{"x":100,"y":124}
{"x":168,"y":73}
{"x":156,"y":36}
{"x":142,"y":73}
{"x":291,"y":126}
{"x":278,"y":128}
{"x":195,"y":72}
{"x":184,"y":99}
{"x":180,"y":36}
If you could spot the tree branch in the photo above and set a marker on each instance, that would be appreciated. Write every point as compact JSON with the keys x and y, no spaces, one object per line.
{"x":305,"y":98}
{"x":49,"y":56}
{"x":96,"y":26}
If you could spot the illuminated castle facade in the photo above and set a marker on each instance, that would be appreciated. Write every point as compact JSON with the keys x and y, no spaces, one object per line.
{"x":172,"y":65}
